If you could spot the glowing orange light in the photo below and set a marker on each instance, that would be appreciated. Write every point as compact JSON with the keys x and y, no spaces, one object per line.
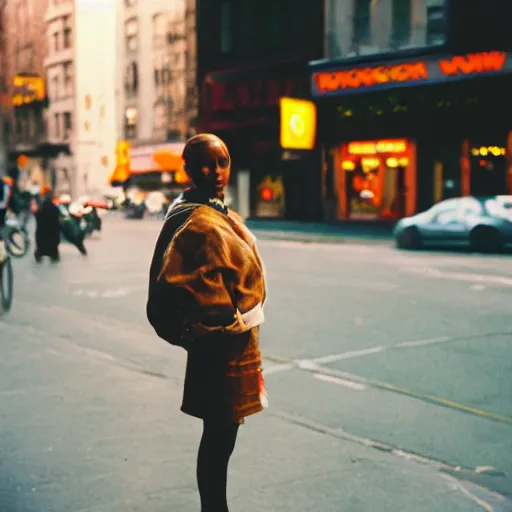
{"x":368,"y":77}
{"x":471,"y":63}
{"x":376,"y":147}
{"x":266,"y":194}
{"x":22,"y":161}
{"x":348,"y":165}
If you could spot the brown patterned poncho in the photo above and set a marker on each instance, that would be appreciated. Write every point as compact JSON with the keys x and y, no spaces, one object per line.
{"x":213,"y":262}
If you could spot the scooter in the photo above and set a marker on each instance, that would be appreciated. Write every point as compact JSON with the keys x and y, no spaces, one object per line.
{"x":71,"y":223}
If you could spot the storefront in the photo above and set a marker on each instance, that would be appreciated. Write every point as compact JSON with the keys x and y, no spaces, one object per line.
{"x":242,"y":106}
{"x":401,"y":134}
{"x":374,"y":179}
{"x":142,"y":170}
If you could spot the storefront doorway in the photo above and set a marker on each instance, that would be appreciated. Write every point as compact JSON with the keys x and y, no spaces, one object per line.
{"x":376,"y":180}
{"x":488,"y":170}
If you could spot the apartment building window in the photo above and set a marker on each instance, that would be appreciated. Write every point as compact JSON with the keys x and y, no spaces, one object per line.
{"x":56,"y":126}
{"x":130,"y":123}
{"x":362,"y":21}
{"x":271,"y":30}
{"x":401,"y":27}
{"x":56,"y":88}
{"x":159,"y":29}
{"x":436,"y":27}
{"x":226,"y":27}
{"x":67,"y":125}
{"x":131,"y":33}
{"x":131,"y":83}
{"x":56,"y":41}
{"x":68,"y":79}
{"x":67,"y":32}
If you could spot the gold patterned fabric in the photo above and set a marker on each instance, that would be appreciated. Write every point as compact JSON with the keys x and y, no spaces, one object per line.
{"x":212,"y":260}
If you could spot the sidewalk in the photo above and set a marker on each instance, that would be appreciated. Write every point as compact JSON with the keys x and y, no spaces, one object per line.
{"x":86,"y":432}
{"x":346,"y":232}
{"x":309,"y":232}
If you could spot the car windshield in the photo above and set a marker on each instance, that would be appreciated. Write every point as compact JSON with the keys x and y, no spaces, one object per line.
{"x":500,"y":206}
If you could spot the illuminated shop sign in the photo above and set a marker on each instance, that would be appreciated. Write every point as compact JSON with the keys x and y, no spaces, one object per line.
{"x":298,"y":123}
{"x":409,"y":73}
{"x":28,"y":89}
{"x":488,"y":151}
{"x":377,"y":147}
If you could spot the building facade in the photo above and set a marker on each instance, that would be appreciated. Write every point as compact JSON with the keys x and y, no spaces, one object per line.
{"x":250,"y":54}
{"x":4,"y":89}
{"x":25,"y":47}
{"x":81,"y":76}
{"x":59,"y":71}
{"x":156,"y":89}
{"x":153,"y":86}
{"x":412,"y":105}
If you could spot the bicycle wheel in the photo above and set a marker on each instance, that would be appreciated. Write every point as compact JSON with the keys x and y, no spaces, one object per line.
{"x":6,"y":285}
{"x":17,"y":242}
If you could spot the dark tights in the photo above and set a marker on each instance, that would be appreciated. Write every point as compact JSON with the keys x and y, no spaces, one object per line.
{"x":215,"y":449}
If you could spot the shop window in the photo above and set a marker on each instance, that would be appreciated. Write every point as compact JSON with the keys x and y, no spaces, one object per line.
{"x":362,"y":22}
{"x":131,"y":34}
{"x":67,"y":32}
{"x":226,"y":27}
{"x":401,"y":24}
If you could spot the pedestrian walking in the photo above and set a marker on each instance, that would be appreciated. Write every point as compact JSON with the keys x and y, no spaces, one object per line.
{"x":206,"y":294}
{"x":47,"y":227}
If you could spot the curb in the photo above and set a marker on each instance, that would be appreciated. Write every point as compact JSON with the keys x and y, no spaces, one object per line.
{"x":319,"y":239}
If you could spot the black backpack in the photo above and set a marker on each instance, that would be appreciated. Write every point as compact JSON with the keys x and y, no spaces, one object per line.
{"x":163,"y":308}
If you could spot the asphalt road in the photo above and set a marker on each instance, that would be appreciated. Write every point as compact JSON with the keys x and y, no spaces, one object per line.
{"x":389,"y":377}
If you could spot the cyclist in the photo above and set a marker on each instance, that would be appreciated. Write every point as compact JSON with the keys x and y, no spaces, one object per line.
{"x":6,"y":189}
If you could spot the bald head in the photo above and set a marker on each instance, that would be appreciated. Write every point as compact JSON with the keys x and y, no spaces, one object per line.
{"x":196,"y":146}
{"x":207,"y":162}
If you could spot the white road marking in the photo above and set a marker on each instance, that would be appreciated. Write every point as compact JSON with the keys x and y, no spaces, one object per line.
{"x":276,"y":368}
{"x":456,"y":485}
{"x":461,"y":276}
{"x":421,"y":343}
{"x":348,"y":355}
{"x":341,"y":382}
{"x":311,"y":364}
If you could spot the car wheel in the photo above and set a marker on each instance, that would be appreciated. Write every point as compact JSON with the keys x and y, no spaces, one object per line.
{"x":486,"y":239}
{"x":409,"y":238}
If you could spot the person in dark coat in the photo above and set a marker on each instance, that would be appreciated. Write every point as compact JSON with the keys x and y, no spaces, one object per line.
{"x":206,"y":267}
{"x":47,"y":228}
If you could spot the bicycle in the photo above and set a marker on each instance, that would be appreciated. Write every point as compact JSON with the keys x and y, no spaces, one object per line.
{"x":6,"y":285}
{"x":16,"y":237}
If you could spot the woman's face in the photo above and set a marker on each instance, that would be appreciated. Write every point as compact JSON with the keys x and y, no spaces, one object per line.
{"x":211,"y":168}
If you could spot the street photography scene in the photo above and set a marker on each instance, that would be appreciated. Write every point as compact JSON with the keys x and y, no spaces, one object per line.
{"x":255,"y":255}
